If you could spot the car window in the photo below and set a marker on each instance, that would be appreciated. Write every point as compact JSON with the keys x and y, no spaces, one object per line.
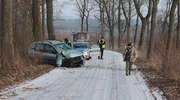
{"x":80,"y":45}
{"x":63,"y":46}
{"x":49,"y":49}
{"x":82,"y":35}
{"x":39,"y":47}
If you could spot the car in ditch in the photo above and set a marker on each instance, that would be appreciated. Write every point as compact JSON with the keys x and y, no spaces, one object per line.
{"x":55,"y":52}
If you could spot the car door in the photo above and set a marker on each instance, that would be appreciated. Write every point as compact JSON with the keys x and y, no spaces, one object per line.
{"x":49,"y":53}
{"x":38,"y":51}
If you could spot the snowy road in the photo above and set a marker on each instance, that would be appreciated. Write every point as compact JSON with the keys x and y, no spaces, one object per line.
{"x":97,"y":80}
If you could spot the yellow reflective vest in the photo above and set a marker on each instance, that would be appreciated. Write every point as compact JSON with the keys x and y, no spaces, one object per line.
{"x":102,"y":43}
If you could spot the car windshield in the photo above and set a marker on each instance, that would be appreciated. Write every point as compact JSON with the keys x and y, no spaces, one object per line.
{"x":82,"y":35}
{"x":80,"y":45}
{"x":63,"y":46}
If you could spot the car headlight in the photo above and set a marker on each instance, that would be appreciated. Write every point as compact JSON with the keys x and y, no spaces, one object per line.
{"x":85,"y":53}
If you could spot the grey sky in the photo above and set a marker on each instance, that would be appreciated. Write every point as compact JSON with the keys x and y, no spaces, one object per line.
{"x":69,"y":10}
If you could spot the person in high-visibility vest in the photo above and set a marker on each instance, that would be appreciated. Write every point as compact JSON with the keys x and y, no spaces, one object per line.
{"x":102,"y":46}
{"x":68,"y":42}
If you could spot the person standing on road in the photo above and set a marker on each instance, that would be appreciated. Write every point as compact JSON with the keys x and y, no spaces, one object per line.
{"x":68,"y":42}
{"x":130,"y":56}
{"x":102,"y":46}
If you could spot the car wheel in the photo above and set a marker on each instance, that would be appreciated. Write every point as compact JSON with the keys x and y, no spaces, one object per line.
{"x":71,"y":65}
{"x":89,"y":57}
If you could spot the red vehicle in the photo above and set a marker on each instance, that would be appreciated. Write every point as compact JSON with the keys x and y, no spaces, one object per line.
{"x":81,"y":36}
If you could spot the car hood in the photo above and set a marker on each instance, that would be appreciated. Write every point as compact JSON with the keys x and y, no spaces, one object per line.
{"x":72,"y":53}
{"x":81,"y":49}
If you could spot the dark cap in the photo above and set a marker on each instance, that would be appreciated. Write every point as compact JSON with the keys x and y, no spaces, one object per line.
{"x":65,"y":39}
{"x":129,"y":44}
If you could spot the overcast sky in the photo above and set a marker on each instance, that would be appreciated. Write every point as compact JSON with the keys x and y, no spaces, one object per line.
{"x":69,"y":10}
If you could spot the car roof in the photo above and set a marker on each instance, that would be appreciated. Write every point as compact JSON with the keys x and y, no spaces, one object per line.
{"x":50,"y":42}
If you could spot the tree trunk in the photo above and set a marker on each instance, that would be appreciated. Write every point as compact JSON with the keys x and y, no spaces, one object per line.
{"x":37,"y":26}
{"x":112,"y":23}
{"x":153,"y":26}
{"x":148,"y":31}
{"x":164,"y":25}
{"x":43,"y":18}
{"x":165,"y":22}
{"x":171,"y":25}
{"x":101,"y":7}
{"x":50,"y":25}
{"x":143,"y":28}
{"x":136,"y":30}
{"x":82,"y":24}
{"x":110,"y":20}
{"x":178,"y":31}
{"x":119,"y":24}
{"x":7,"y":31}
{"x":87,"y":22}
{"x":129,"y":23}
{"x":143,"y":20}
{"x":0,"y":28}
{"x":103,"y":21}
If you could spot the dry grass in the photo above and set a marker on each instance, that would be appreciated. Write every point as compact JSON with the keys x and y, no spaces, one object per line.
{"x":163,"y":69}
{"x":18,"y":72}
{"x":20,"y":69}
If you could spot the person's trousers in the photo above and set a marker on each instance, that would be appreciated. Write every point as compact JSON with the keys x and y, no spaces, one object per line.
{"x":102,"y":52}
{"x":128,"y":67}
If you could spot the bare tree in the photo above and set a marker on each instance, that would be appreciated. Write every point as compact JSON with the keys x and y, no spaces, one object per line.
{"x":22,"y":24}
{"x":7,"y":31}
{"x":110,"y":13}
{"x":178,"y":31}
{"x":128,"y":18}
{"x":89,"y":8}
{"x":37,"y":26}
{"x":43,"y":17}
{"x":153,"y":26}
{"x":101,"y":14}
{"x":136,"y":29}
{"x":167,"y":13}
{"x":81,"y":5}
{"x":143,"y":20}
{"x":50,"y":25}
{"x":171,"y":25}
{"x":0,"y":27}
{"x":119,"y":23}
{"x":148,"y":31}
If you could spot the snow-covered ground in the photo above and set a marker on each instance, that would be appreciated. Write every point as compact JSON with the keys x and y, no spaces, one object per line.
{"x":97,"y":80}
